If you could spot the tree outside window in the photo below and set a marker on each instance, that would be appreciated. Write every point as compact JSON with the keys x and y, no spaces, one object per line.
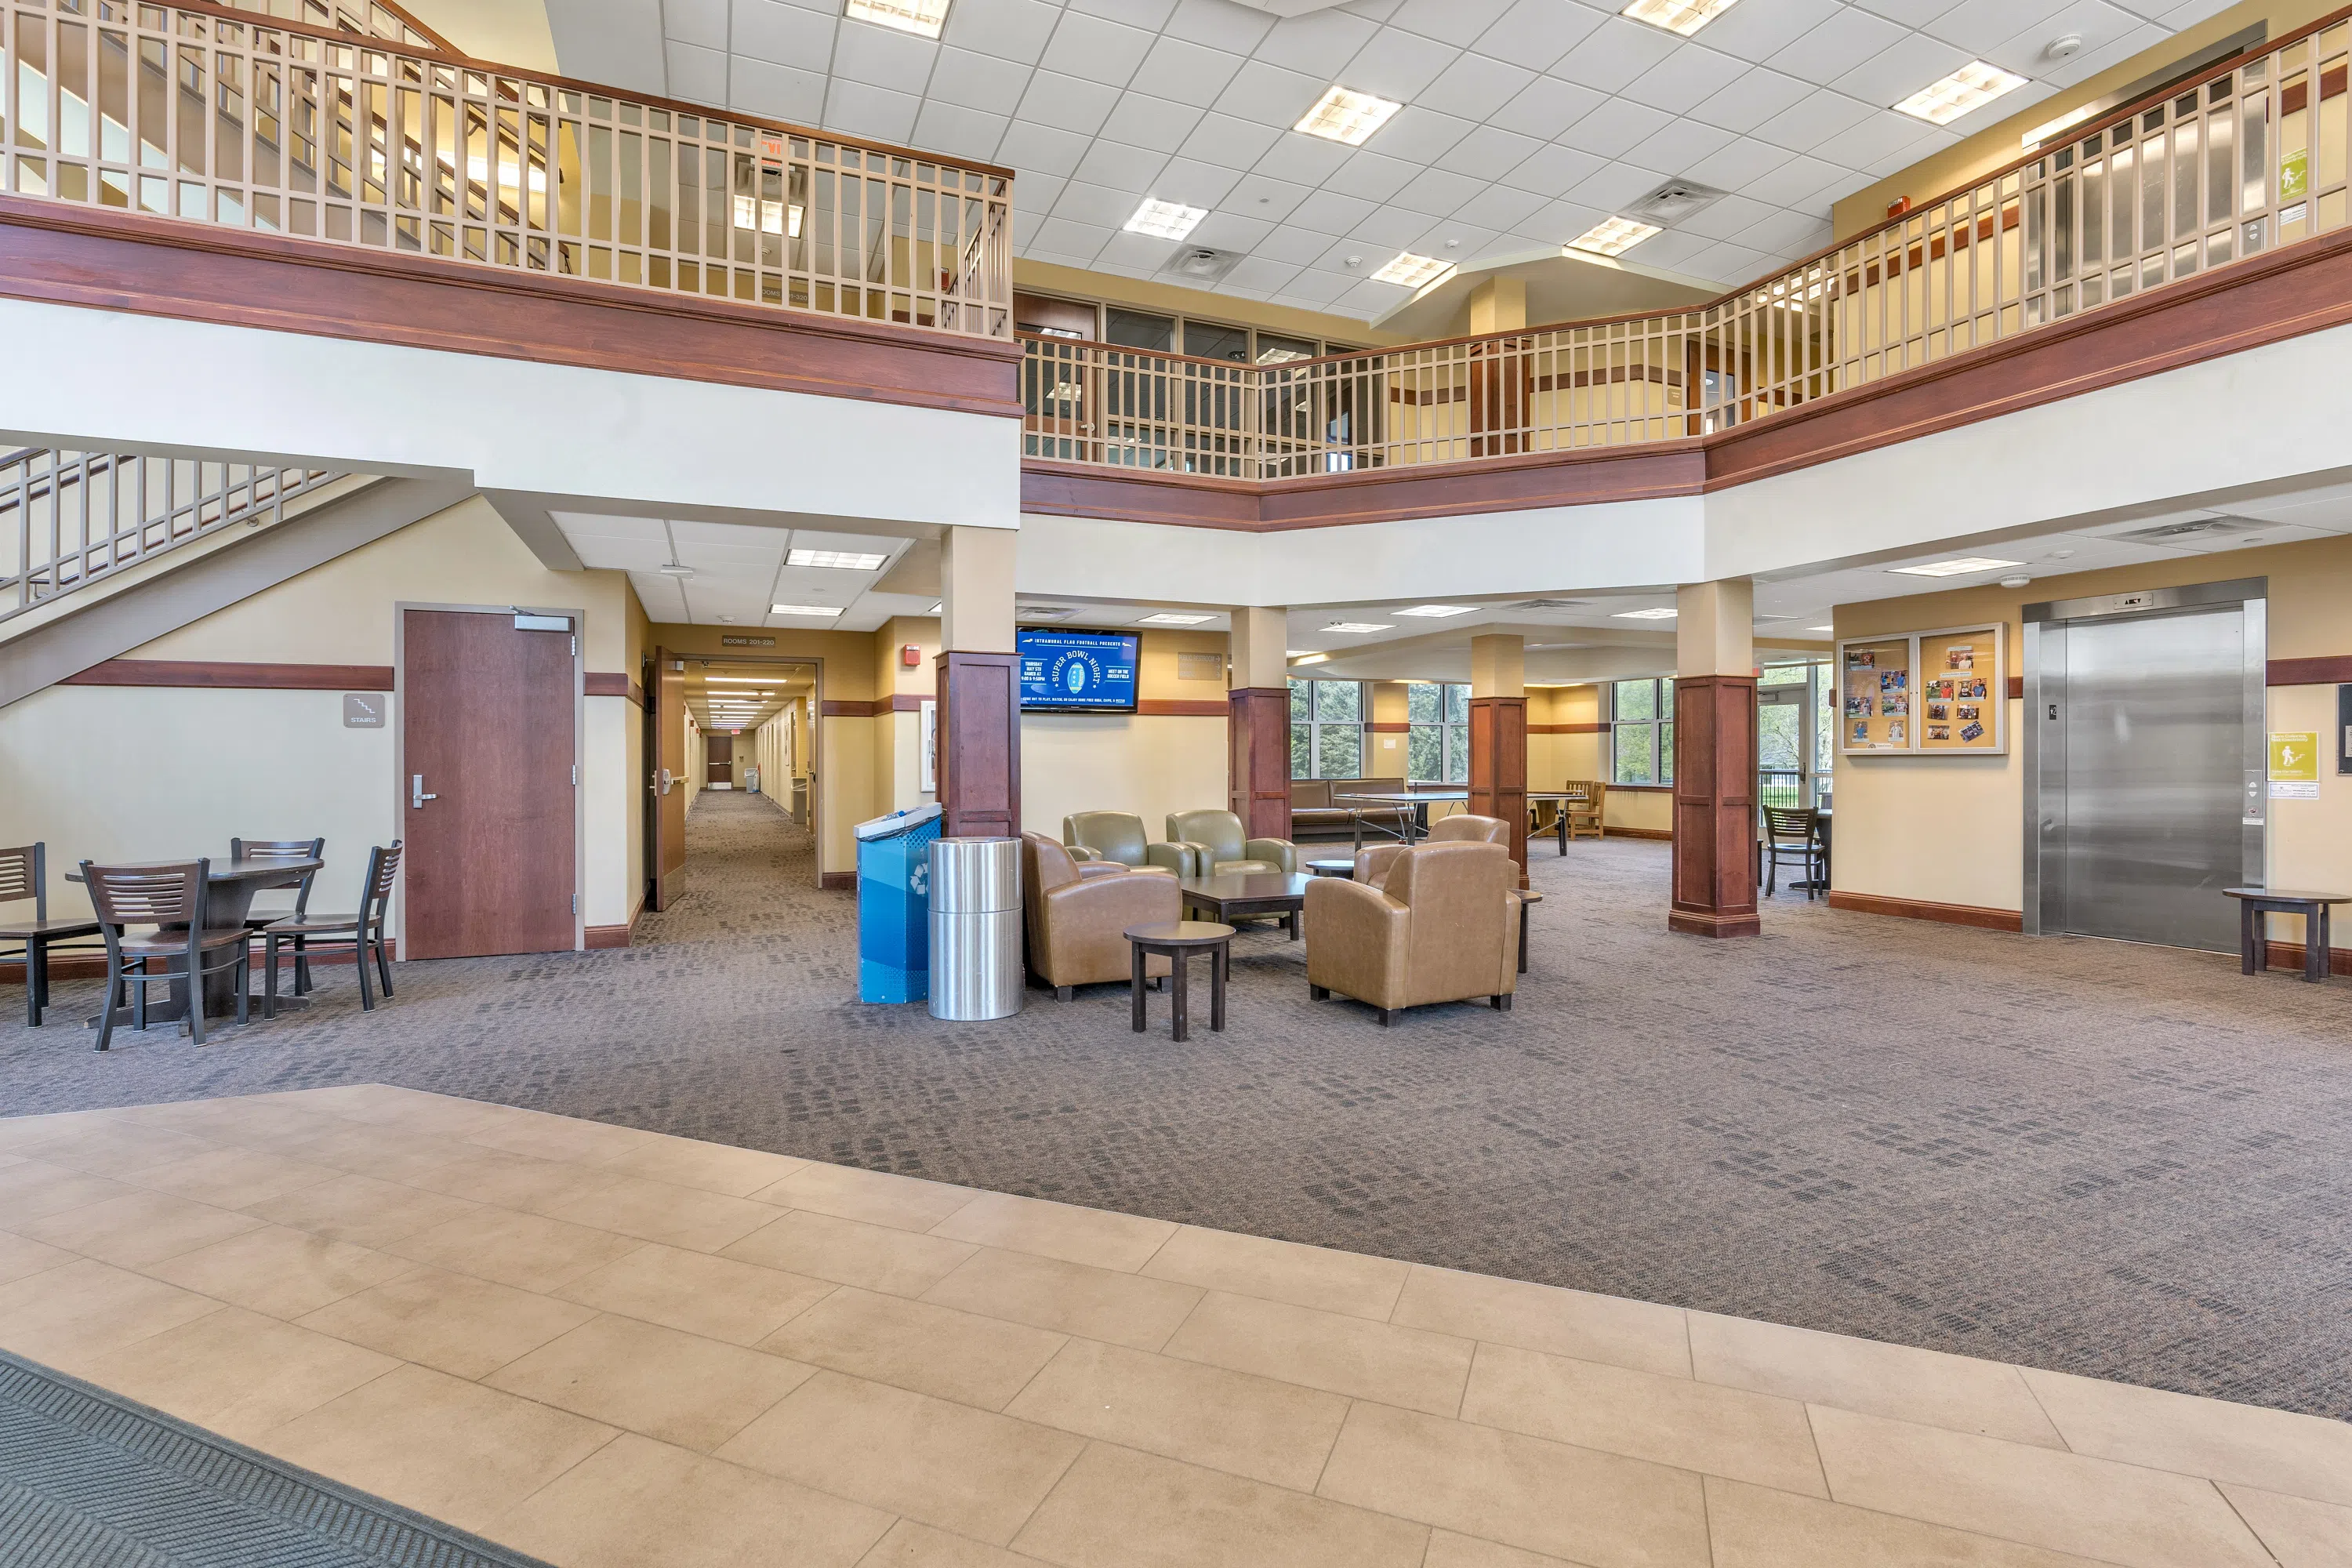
{"x":1327,"y":729}
{"x":1437,"y":739}
{"x":1642,"y":734}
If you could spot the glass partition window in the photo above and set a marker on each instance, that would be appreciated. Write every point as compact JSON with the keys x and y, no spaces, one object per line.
{"x":1437,"y":739}
{"x":1327,"y":729}
{"x":1641,"y":731}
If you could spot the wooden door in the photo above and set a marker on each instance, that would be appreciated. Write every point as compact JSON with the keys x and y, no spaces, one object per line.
{"x":719,"y":753}
{"x":667,"y":760}
{"x":489,"y":799}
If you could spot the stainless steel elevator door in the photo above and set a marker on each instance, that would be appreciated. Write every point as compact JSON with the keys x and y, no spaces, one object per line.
{"x":2153,"y":716}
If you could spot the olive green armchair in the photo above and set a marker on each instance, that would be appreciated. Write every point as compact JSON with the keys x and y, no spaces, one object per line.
{"x":1099,"y":839}
{"x":1220,"y":845}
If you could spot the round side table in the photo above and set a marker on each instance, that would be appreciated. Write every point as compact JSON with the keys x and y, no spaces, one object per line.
{"x":1176,"y":941}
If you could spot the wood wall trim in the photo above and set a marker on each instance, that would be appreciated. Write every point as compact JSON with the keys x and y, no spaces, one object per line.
{"x":600,"y":683}
{"x":837,"y":881}
{"x":235,"y":677}
{"x":2017,"y":689}
{"x":2331,"y":671}
{"x":1407,"y":729}
{"x":1945,"y":914}
{"x":831,"y":709}
{"x":62,"y":254}
{"x":598,"y":938}
{"x":1662,"y":834}
{"x":2289,"y":955}
{"x":1575,"y":730}
{"x":1184,"y":707}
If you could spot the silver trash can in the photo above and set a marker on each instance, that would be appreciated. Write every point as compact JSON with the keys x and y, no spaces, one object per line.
{"x":975,"y":928}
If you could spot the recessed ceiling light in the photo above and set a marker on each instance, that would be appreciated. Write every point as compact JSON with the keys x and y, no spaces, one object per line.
{"x":1959,"y":566}
{"x":1358,"y":627}
{"x":1343,"y":116}
{"x":924,"y":18}
{"x":735,"y":680}
{"x":767,"y":216}
{"x":1683,"y":17}
{"x":1165,"y":220}
{"x":675,"y":570}
{"x":1296,"y":652}
{"x":1413,"y":271}
{"x":1821,"y":628}
{"x":1173,"y":620}
{"x":1314,"y":659}
{"x":846,"y":560}
{"x":828,"y":611}
{"x":1971,"y":87}
{"x":1438,"y":612}
{"x":1662,"y":613}
{"x":1613,"y":236}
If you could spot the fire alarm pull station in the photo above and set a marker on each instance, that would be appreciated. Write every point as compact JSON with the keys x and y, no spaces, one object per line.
{"x":911,"y":656}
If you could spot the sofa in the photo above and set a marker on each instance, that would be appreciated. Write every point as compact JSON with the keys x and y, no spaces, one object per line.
{"x":1315,"y":813}
{"x":1442,"y":926}
{"x":1075,"y":922}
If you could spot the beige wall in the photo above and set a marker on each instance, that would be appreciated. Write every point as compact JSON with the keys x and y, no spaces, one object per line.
{"x":279,"y":764}
{"x":1150,"y":764}
{"x":1881,"y":801}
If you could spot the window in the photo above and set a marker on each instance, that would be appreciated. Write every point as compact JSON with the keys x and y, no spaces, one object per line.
{"x":1327,"y":729}
{"x":1642,"y":734}
{"x":1135,"y":330}
{"x":1207,"y":340}
{"x":1437,"y":743}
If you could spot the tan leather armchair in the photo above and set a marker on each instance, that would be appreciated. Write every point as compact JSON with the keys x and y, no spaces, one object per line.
{"x":1221,"y":845}
{"x":1075,"y":921}
{"x":1443,"y":928}
{"x":1372,"y":861}
{"x":1095,"y":838}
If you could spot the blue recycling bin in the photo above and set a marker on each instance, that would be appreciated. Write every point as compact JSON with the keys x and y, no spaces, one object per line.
{"x":894,"y":905}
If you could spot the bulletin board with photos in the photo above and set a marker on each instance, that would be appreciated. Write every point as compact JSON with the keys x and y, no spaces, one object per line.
{"x":1931,"y":693}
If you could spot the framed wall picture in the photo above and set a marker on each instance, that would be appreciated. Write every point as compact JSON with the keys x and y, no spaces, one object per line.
{"x":1939,"y":693}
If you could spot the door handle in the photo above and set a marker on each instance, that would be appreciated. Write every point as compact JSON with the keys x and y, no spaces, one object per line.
{"x":416,"y":796}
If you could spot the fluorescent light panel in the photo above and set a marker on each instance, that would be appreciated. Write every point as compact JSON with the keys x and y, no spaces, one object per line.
{"x":737,"y":680}
{"x":1959,"y":566}
{"x":828,"y":611}
{"x":1413,"y":271}
{"x":769,"y":217}
{"x":1439,"y":612}
{"x":1969,"y":89}
{"x":1613,"y":236}
{"x":1359,"y":627}
{"x":1170,"y":620}
{"x":846,"y":560}
{"x":924,"y":18}
{"x":1165,"y":220}
{"x":1683,"y":17}
{"x":1347,"y":117}
{"x":1659,"y":614}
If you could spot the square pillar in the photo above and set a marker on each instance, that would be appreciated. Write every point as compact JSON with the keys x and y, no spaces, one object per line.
{"x":1714,"y":760}
{"x":978,"y":686}
{"x":1257,"y":722}
{"x":1499,"y":738}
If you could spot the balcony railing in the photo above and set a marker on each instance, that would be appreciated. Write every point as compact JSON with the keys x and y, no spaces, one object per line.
{"x":2240,"y":160}
{"x":369,"y":18}
{"x":208,"y":115}
{"x":69,"y":518}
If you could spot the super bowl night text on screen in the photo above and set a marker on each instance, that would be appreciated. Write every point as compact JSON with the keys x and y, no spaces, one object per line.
{"x":1091,"y":672}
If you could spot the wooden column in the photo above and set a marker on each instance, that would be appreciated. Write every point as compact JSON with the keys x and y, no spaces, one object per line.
{"x":978,"y":686}
{"x":1714,"y":761}
{"x":1257,"y":722}
{"x":1499,"y":738}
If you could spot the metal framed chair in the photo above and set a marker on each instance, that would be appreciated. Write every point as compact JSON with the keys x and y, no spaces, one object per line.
{"x":361,"y":933}
{"x":25,"y":874}
{"x":1788,"y":836}
{"x":282,"y":849}
{"x":170,"y":896}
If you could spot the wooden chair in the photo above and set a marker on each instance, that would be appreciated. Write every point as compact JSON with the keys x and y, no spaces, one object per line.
{"x":25,"y":874}
{"x":282,"y":849}
{"x":360,"y":933}
{"x":167,"y":897}
{"x":1585,"y":817}
{"x":1789,"y":834}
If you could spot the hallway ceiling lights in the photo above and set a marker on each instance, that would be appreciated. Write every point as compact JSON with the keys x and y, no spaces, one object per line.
{"x":846,"y":560}
{"x":1967,"y":90}
{"x":826,"y":611}
{"x":1662,"y":613}
{"x":1613,"y":236}
{"x":737,"y":680}
{"x":1959,"y":566}
{"x":1173,"y":620}
{"x":1681,"y":16}
{"x":1165,"y":220}
{"x":1358,"y":629}
{"x":1439,"y":612}
{"x":1414,"y":271}
{"x":1347,"y":117}
{"x":925,"y":18}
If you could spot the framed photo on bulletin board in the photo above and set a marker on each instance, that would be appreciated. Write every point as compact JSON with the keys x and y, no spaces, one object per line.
{"x":1925,"y":693}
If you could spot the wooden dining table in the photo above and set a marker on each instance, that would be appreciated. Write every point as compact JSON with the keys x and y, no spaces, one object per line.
{"x":229,"y":890}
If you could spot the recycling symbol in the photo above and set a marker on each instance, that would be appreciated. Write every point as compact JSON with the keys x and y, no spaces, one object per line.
{"x":918,"y":881}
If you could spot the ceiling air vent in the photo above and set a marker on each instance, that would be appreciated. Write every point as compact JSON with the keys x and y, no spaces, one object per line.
{"x":1045,"y":612}
{"x":1198,"y":263}
{"x":1675,"y":200}
{"x":1550,"y":604}
{"x":2194,"y":528}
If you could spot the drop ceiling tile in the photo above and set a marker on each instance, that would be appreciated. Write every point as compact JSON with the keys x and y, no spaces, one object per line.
{"x":1614,"y":127}
{"x":1791,"y":182}
{"x":1230,"y":231}
{"x":1269,"y":94}
{"x":883,"y":57}
{"x":1668,"y":250}
{"x":1498,"y":207}
{"x":1327,"y":212}
{"x":1398,"y":66}
{"x":1261,"y":272}
{"x":1785,"y":233}
{"x":1235,"y":144}
{"x":730,"y":535}
{"x":1437,"y":192}
{"x":1488,"y":149}
{"x":1978,"y":25}
{"x":612,"y":526}
{"x":1060,"y":234}
{"x":1371,"y":175}
{"x":1351,"y":258}
{"x":1219,"y":23}
{"x":1191,"y":72}
{"x":1556,"y":223}
{"x":1915,"y":62}
{"x":701,"y":22}
{"x":1026,"y":224}
{"x":777,"y":92}
{"x":598,"y":553}
{"x":1553,"y":171}
{"x":1066,"y":103}
{"x":1473,"y":85}
{"x":1813,"y":120}
{"x":1909,"y":13}
{"x":1613,"y":187}
{"x":1196,"y":185}
{"x":1369,"y":299}
{"x":1317,"y":44}
{"x":1391,"y":230}
{"x":1843,"y":41}
{"x":1297,"y":246}
{"x":1726,"y":219}
{"x":1040,"y":147}
{"x":1303,"y":160}
{"x":2091,"y":62}
{"x":695,"y":72}
{"x":1148,"y":15}
{"x":1155,"y":124}
{"x":1675,"y":147}
{"x":1738,"y":164}
{"x":1685,"y":78}
{"x":874,"y":113}
{"x":1897,"y":159}
{"x":1418,"y":135}
{"x":1537,"y":32}
{"x":2096,"y":24}
{"x":1094,"y":50}
{"x":1097,"y":204}
{"x":1754,"y":29}
{"x":1453,"y":241}
{"x":1880,"y":134}
{"x":945,"y":128}
{"x":1143,"y":253}
{"x":1727,"y":264}
{"x":979,"y":81}
{"x":1616,"y":52}
{"x":1750,"y":100}
{"x":1311,"y":290}
{"x":1547,"y":107}
{"x":1010,"y":30}
{"x":1258,"y":196}
{"x":1119,"y":166}
{"x":788,"y":35}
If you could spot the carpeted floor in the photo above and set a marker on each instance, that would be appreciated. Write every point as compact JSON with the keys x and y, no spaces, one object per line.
{"x":2129,"y":1163}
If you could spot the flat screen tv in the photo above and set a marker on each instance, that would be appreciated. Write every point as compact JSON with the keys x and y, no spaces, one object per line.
{"x":1076,"y":672}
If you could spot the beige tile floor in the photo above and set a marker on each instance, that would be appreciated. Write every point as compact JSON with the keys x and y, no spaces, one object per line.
{"x":608,"y":1347}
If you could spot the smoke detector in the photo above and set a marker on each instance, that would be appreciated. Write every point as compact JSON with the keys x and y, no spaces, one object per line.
{"x":1675,"y":200}
{"x":1200,"y":264}
{"x":2064,"y":46}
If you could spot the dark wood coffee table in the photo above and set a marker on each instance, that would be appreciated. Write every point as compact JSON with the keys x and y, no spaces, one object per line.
{"x":2253,"y":904}
{"x":1176,"y":941}
{"x":1239,"y":895}
{"x":1346,"y":868}
{"x":1526,"y":895}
